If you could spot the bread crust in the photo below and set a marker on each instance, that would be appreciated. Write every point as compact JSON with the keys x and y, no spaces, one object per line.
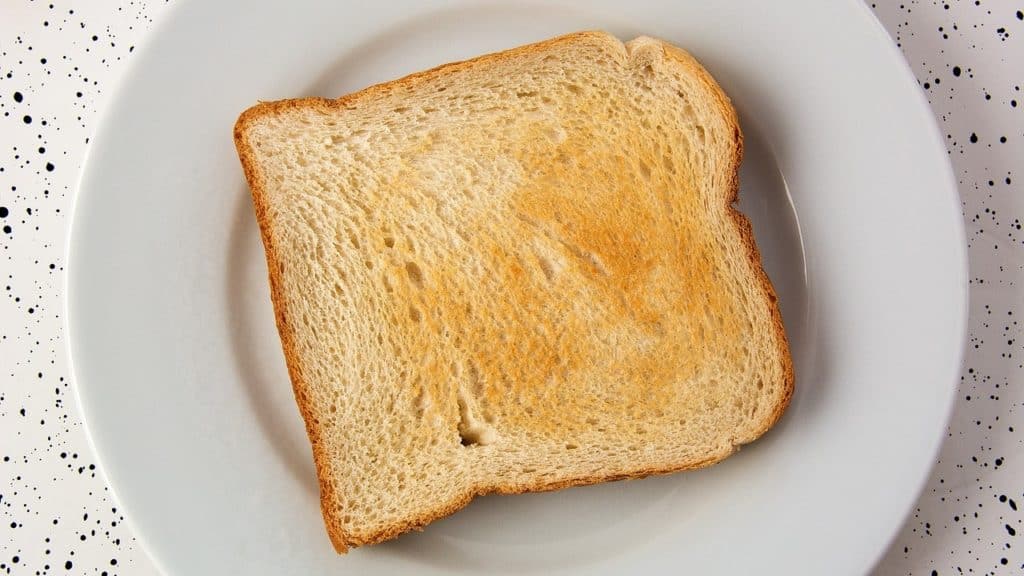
{"x":746,"y":230}
{"x":343,"y":541}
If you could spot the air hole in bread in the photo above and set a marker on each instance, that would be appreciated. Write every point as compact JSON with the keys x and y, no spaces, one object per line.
{"x":571,"y":446}
{"x":546,"y":268}
{"x":670,"y":166}
{"x":389,"y":241}
{"x":472,"y":432}
{"x":415,"y":274}
{"x":414,"y":314}
{"x":419,"y":400}
{"x":645,"y":171}
{"x":469,"y":437}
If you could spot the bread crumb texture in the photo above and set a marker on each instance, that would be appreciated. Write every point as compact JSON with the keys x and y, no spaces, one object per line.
{"x":516,"y":273}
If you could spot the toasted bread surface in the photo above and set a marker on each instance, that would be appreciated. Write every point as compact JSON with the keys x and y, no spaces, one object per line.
{"x":517,"y":273}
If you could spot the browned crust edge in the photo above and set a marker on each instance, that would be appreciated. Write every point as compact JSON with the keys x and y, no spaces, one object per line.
{"x":341,"y":540}
{"x":257,"y":187}
{"x":746,"y":231}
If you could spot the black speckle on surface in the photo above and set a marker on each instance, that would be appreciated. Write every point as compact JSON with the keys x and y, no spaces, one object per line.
{"x":954,"y":529}
{"x":50,"y":91}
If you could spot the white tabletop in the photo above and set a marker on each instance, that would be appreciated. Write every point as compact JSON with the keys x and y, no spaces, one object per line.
{"x":60,"y":61}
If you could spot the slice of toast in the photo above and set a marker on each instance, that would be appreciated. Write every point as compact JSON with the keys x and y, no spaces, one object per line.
{"x":517,"y":273}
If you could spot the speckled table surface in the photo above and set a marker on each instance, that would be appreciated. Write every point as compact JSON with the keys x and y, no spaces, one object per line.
{"x":59,"y":62}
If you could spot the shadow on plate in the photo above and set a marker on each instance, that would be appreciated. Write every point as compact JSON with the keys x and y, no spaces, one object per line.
{"x":765,"y":199}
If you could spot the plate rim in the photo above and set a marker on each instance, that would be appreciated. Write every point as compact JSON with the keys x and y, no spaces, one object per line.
{"x":961,"y":258}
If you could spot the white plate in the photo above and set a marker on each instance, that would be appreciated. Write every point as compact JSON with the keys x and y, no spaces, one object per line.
{"x":182,"y":382}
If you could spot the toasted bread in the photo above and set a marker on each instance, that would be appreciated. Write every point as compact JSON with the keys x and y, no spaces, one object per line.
{"x":517,"y":273}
